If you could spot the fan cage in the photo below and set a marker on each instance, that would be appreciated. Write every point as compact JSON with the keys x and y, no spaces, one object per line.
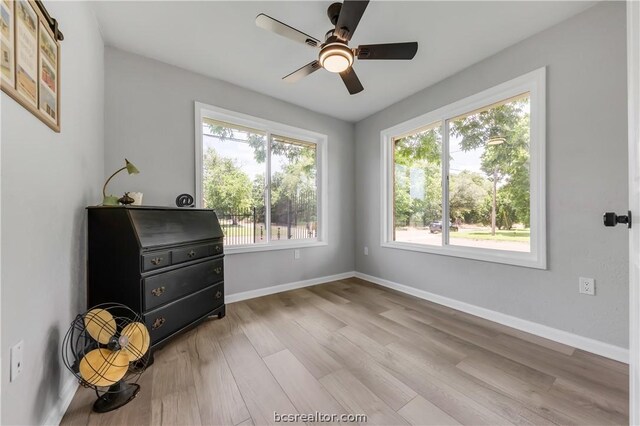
{"x":78,"y":343}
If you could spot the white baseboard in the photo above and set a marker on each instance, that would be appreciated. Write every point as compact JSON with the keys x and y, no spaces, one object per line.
{"x":590,"y":345}
{"x":251,"y":294}
{"x":57,"y":411}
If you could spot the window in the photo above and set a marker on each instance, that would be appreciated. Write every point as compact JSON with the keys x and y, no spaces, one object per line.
{"x":263,"y":179}
{"x":467,"y":180}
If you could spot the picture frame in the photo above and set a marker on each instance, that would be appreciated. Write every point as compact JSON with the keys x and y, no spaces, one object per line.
{"x":47,"y":75}
{"x":30,"y":60}
{"x":7,"y":46}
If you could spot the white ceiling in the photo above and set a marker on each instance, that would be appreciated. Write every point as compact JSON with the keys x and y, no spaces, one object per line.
{"x":220,"y":39}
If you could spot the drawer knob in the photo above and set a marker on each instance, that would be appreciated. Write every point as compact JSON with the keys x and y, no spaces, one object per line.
{"x":158,"y":291}
{"x":156,"y":261}
{"x":192,"y":253}
{"x":218,"y":248}
{"x":218,"y":294}
{"x":218,"y":270}
{"x":157,"y":323}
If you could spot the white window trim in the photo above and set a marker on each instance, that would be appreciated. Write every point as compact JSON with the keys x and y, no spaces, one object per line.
{"x":203,"y":110}
{"x":534,"y":83}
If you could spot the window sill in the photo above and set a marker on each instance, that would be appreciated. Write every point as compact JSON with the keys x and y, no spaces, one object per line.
{"x":231,"y":250}
{"x":528,"y":260}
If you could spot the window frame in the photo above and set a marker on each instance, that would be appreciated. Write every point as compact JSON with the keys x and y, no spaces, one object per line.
{"x":533,"y":82}
{"x":203,"y":110}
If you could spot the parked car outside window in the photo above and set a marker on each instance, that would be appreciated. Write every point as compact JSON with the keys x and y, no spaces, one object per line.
{"x":435,"y":227}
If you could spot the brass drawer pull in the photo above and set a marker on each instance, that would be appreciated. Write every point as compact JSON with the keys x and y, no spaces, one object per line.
{"x":156,"y":261}
{"x":158,"y":291}
{"x":157,"y":323}
{"x":192,"y":253}
{"x":218,"y":270}
{"x":218,"y":294}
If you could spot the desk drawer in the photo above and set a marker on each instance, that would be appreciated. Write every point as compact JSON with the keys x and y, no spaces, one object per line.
{"x":165,"y":321}
{"x":156,"y":260}
{"x":163,"y":288}
{"x":186,"y":254}
{"x":216,"y":249}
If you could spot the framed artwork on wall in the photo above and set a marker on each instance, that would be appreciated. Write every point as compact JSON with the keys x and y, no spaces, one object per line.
{"x":7,"y":46}
{"x":48,"y":72}
{"x":26,"y":52}
{"x":30,"y":59}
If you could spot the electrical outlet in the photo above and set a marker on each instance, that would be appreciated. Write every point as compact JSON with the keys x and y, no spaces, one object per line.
{"x":366,"y":251}
{"x":587,"y":286}
{"x":16,"y":360}
{"x":296,"y":254}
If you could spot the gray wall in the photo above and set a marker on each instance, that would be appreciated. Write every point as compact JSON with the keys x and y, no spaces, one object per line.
{"x":47,"y":181}
{"x":586,"y":175}
{"x":150,"y":120}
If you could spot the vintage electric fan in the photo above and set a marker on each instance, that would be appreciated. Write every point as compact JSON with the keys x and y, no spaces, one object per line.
{"x":107,"y":349}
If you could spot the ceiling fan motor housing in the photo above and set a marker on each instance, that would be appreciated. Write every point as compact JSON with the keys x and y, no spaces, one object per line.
{"x":333,"y":12}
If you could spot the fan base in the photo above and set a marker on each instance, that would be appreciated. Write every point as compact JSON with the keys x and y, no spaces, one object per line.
{"x":112,"y":401}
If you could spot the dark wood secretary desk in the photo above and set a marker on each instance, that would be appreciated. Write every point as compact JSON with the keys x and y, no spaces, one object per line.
{"x":165,"y":263}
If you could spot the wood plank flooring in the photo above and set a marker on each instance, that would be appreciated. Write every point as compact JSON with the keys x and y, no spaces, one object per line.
{"x":351,"y":347}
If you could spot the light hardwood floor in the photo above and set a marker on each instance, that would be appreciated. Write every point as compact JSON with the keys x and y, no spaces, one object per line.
{"x":353,"y":347}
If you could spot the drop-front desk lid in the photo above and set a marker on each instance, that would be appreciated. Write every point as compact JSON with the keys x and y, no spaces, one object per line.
{"x":164,"y":226}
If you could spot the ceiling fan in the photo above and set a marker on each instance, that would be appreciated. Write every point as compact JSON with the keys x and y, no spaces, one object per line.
{"x":335,"y":54}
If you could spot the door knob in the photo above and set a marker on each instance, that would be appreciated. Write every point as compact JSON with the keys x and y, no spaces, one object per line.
{"x":612,"y":219}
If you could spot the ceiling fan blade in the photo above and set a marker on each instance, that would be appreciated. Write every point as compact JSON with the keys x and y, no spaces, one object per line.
{"x":350,"y":15}
{"x":268,"y":23}
{"x":388,"y":51}
{"x":302,"y":72}
{"x":352,"y":81}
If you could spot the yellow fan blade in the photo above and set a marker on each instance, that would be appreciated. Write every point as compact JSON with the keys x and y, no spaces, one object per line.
{"x":100,"y":325}
{"x":102,"y":367}
{"x":134,"y":340}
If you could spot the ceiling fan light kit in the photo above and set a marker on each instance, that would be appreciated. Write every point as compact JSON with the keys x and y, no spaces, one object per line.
{"x":336,"y":57}
{"x":335,"y":54}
